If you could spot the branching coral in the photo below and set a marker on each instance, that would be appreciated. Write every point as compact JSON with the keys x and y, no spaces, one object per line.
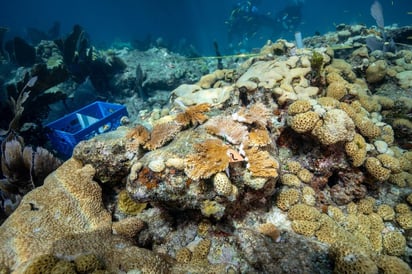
{"x":210,"y":158}
{"x":161,"y":134}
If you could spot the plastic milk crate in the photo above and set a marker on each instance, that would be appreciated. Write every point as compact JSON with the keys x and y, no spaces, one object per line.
{"x":85,"y":123}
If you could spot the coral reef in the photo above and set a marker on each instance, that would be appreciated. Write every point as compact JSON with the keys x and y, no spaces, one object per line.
{"x":297,"y":160}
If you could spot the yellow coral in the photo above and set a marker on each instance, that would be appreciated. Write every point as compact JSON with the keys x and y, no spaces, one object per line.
{"x":389,"y":162}
{"x":366,"y":127}
{"x":294,"y":166}
{"x":183,"y":255}
{"x":201,"y":250}
{"x":336,"y":213}
{"x":375,"y":238}
{"x":210,"y":158}
{"x":409,"y":199}
{"x":127,"y":205}
{"x":394,"y":243}
{"x":299,"y":106}
{"x":393,"y":265}
{"x":336,"y":90}
{"x":304,"y":227}
{"x":386,"y":212}
{"x":356,"y":149}
{"x":304,"y":122}
{"x":87,"y":263}
{"x":308,"y":196}
{"x":212,"y":208}
{"x":366,"y":205}
{"x":328,"y":102}
{"x":402,"y":208}
{"x":287,"y":198}
{"x":261,"y":163}
{"x":290,"y":180}
{"x":41,"y":264}
{"x":305,"y":175}
{"x":64,"y":267}
{"x":375,"y":168}
{"x":303,"y":212}
{"x":204,"y":227}
{"x":369,"y":103}
{"x":405,"y":220}
{"x":349,"y":259}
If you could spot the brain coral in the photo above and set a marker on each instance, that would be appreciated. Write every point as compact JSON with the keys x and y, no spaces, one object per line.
{"x":299,"y":106}
{"x":337,"y":126}
{"x":356,"y":149}
{"x":304,"y":122}
{"x":375,"y":168}
{"x":394,"y":243}
{"x":287,"y":198}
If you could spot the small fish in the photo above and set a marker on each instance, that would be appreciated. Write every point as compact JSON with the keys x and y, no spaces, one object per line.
{"x":409,"y":12}
{"x":409,"y":37}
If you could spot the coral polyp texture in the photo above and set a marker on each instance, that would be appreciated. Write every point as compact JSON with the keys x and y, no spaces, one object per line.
{"x":295,"y":161}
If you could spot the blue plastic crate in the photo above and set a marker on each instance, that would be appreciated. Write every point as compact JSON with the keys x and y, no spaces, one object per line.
{"x":85,"y":123}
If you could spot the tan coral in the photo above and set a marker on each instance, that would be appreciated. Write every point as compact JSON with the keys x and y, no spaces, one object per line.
{"x":287,"y":198}
{"x":225,"y":127}
{"x":405,"y":220}
{"x":336,"y":213}
{"x":222,"y":184}
{"x":303,"y":212}
{"x":270,"y":230}
{"x":356,"y":149}
{"x":336,"y":90}
{"x":161,"y":134}
{"x":375,"y":168}
{"x":183,"y":255}
{"x":128,"y":228}
{"x":136,"y":137}
{"x":193,"y":115}
{"x":305,"y":228}
{"x":294,"y":166}
{"x":305,"y":175}
{"x":304,"y":122}
{"x":386,"y":212}
{"x":402,"y":208}
{"x":369,"y":103}
{"x":261,"y":163}
{"x":394,"y":243}
{"x":366,"y":205}
{"x":259,"y":137}
{"x":366,"y":127}
{"x":290,"y":180}
{"x":349,"y":259}
{"x":328,"y":102}
{"x":393,"y":265}
{"x":390,"y":162}
{"x":210,"y":158}
{"x":257,"y":113}
{"x":308,"y":196}
{"x":337,"y":126}
{"x":299,"y":106}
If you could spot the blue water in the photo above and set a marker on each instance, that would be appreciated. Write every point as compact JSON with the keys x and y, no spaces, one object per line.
{"x":189,"y":22}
